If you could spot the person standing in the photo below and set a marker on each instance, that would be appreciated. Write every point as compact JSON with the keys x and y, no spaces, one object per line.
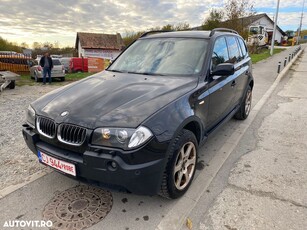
{"x":47,"y":65}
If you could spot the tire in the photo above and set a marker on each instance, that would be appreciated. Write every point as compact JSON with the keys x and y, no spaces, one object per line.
{"x":246,"y":105}
{"x":12,"y":85}
{"x":181,"y":166}
{"x":35,"y":77}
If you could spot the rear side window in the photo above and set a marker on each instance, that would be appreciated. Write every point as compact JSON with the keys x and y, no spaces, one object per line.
{"x":234,"y":52}
{"x":220,"y":52}
{"x":243,"y":47}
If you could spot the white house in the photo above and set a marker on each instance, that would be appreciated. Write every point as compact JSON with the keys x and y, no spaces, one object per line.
{"x":266,"y":21}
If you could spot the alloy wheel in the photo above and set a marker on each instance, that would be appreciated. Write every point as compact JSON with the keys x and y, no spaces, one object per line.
{"x":185,"y":165}
{"x":248,"y":102}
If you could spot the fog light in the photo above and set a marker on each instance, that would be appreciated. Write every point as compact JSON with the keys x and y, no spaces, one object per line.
{"x":113,"y":164}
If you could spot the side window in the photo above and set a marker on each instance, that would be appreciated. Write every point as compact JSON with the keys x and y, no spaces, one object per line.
{"x":243,"y":47}
{"x":220,"y":52}
{"x":234,"y":53}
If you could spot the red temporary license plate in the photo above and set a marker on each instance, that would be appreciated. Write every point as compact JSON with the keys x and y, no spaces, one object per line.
{"x":57,"y":164}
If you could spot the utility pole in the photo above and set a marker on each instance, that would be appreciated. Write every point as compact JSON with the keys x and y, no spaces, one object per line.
{"x":274,"y":31}
{"x":300,"y":27}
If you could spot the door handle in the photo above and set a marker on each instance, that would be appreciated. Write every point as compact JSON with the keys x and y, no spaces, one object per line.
{"x":233,"y":83}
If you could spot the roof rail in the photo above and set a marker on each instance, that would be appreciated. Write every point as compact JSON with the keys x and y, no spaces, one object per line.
{"x":154,"y":31}
{"x":222,"y":29}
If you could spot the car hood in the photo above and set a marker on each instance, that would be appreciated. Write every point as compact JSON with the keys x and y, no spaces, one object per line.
{"x":112,"y":99}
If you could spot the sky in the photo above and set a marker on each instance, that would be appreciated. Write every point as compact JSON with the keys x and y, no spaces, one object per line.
{"x":59,"y":20}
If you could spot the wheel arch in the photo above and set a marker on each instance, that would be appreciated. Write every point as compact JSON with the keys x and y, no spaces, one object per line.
{"x":195,"y":128}
{"x":251,"y":84}
{"x":192,"y":124}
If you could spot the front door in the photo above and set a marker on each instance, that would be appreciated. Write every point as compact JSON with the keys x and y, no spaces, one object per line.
{"x":221,"y":88}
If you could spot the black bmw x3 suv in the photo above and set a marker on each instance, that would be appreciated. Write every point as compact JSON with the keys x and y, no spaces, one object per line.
{"x":138,"y":125}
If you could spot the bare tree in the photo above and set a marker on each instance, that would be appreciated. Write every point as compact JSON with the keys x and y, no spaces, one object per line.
{"x":235,"y":11}
{"x":37,"y":45}
{"x":24,"y":45}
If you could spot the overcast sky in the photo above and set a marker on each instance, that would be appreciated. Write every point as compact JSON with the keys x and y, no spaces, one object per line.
{"x":59,"y":20}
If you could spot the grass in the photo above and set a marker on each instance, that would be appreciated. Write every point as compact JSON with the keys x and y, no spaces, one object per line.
{"x":25,"y":79}
{"x":264,"y":55}
{"x":76,"y":76}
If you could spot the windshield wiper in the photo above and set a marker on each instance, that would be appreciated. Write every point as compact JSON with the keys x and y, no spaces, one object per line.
{"x":147,"y":73}
{"x":114,"y":70}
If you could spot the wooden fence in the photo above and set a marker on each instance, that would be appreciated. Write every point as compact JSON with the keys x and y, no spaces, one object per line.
{"x":17,"y":63}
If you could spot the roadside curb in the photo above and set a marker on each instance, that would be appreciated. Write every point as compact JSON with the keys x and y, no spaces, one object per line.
{"x":177,"y":216}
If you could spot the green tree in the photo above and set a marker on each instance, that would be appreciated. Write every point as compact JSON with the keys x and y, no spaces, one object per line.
{"x":131,"y":37}
{"x":176,"y":27}
{"x":214,"y":20}
{"x":167,"y":27}
{"x":9,"y":46}
{"x":182,"y":26}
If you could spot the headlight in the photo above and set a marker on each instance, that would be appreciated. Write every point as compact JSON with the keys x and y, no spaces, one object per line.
{"x":121,"y":137}
{"x":31,"y":116}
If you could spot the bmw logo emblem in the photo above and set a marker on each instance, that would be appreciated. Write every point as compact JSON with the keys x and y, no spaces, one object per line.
{"x":65,"y":113}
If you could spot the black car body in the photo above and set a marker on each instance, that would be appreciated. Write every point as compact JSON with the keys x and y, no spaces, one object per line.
{"x":140,"y":130}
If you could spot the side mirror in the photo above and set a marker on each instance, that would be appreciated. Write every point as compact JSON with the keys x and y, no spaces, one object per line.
{"x":224,"y":69}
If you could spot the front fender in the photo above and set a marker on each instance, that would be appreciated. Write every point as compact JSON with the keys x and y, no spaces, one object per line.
{"x":168,"y":122}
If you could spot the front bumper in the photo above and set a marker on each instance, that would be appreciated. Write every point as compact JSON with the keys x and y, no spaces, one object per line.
{"x":94,"y":165}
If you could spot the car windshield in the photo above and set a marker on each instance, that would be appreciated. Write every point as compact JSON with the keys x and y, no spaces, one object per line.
{"x":163,"y":56}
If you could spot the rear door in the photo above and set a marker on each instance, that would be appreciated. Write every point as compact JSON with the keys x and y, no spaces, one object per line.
{"x":221,"y":89}
{"x":244,"y":69}
{"x":57,"y":68}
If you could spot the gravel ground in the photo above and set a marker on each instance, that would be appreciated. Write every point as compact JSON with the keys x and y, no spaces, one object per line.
{"x":17,"y":162}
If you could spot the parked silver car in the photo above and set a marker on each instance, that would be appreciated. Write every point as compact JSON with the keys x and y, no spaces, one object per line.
{"x":65,"y":61}
{"x":58,"y":71}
